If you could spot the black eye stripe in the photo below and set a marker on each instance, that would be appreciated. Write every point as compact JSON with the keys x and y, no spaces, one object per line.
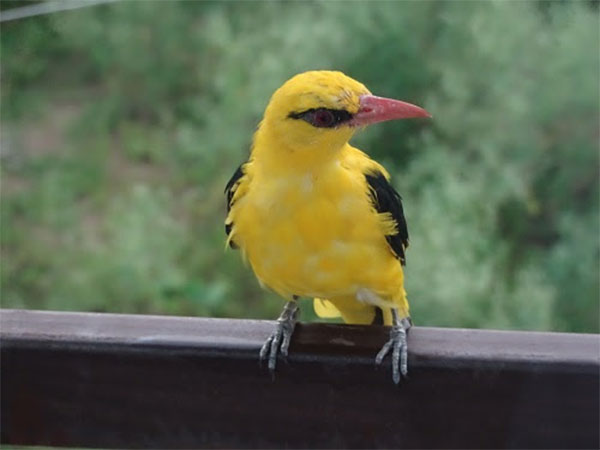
{"x":339,"y":116}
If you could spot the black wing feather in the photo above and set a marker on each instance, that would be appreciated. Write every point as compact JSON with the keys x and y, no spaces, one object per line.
{"x":387,"y":200}
{"x":229,"y":191}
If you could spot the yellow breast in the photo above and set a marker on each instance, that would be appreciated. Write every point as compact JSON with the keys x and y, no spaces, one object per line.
{"x":315,"y":232}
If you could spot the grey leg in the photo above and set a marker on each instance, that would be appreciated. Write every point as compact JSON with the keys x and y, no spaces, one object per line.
{"x":396,"y":343}
{"x":279,"y":341}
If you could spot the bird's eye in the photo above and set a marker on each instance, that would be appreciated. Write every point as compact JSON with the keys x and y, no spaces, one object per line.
{"x":323,"y":118}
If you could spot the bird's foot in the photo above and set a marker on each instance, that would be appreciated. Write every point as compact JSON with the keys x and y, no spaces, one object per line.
{"x":399,"y":347}
{"x":279,"y":341}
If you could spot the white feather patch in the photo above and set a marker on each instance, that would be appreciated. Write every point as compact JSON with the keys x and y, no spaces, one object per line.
{"x":369,"y":297}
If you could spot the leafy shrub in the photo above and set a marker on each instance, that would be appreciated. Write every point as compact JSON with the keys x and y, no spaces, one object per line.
{"x":123,"y":211}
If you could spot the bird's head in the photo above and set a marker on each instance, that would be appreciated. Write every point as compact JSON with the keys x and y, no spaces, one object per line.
{"x":323,"y":109}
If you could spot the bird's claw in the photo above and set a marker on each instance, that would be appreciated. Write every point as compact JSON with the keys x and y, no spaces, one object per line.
{"x":279,"y":341}
{"x":399,"y":347}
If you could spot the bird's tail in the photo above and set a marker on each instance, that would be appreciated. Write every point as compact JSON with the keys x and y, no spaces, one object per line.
{"x":325,"y":309}
{"x":349,"y":310}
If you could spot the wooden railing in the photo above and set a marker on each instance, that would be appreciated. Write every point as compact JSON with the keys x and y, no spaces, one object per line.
{"x":124,"y":381}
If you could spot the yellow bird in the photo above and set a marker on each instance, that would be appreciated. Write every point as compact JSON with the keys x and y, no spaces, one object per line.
{"x":316,"y":217}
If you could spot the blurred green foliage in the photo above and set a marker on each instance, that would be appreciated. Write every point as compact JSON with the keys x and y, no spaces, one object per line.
{"x":121,"y":124}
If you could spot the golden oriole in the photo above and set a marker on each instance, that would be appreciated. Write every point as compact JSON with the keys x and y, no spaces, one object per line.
{"x":317,"y":217}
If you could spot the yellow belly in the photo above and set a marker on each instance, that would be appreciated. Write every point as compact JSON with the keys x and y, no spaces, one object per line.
{"x":317,"y":234}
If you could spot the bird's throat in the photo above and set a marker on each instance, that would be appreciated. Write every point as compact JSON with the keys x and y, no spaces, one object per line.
{"x":283,"y":154}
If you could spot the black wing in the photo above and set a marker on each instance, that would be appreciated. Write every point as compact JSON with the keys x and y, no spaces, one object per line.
{"x":387,"y":200}
{"x":230,"y":188}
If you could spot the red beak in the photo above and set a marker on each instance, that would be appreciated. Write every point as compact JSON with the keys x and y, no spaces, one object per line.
{"x":375,"y":109}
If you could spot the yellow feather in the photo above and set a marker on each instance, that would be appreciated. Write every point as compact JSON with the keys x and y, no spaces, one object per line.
{"x":326,"y":309}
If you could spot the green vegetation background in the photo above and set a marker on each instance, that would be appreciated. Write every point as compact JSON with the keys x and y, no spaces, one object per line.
{"x":122,"y":123}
